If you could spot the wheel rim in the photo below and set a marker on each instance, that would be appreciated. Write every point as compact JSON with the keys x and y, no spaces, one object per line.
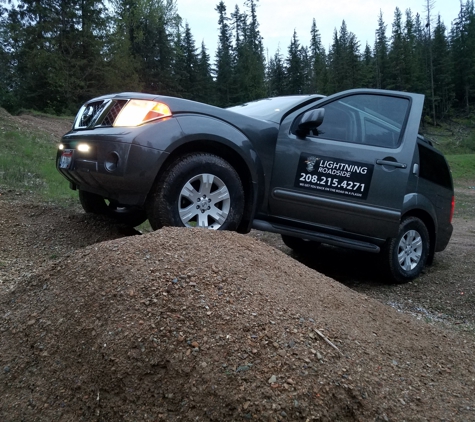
{"x":204,"y":202}
{"x":410,"y":250}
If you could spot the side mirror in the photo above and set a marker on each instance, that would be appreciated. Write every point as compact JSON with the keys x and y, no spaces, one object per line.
{"x":310,"y":120}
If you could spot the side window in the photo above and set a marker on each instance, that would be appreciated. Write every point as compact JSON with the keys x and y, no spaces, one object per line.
{"x":369,"y":119}
{"x":339,"y":123}
{"x":433,"y":167}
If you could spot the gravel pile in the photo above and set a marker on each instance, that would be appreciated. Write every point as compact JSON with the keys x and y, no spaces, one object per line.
{"x":185,"y":324}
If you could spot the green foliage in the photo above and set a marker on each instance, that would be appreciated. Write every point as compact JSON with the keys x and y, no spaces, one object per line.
{"x":295,"y":68}
{"x":27,"y":162}
{"x":318,"y":74}
{"x":463,"y":54}
{"x":381,"y":54}
{"x":224,"y":59}
{"x":343,"y":61}
{"x":276,"y":75}
{"x":55,"y":55}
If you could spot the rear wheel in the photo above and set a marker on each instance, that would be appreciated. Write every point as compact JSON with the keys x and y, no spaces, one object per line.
{"x":406,"y":255}
{"x":299,"y":245}
{"x":123,"y":214}
{"x":198,"y":190}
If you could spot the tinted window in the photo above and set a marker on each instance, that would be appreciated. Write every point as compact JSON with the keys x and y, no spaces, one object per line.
{"x":366,"y":119}
{"x":433,"y":167}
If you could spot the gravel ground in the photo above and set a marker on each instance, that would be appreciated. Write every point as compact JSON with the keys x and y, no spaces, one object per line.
{"x":98,"y":322}
{"x":445,"y":292}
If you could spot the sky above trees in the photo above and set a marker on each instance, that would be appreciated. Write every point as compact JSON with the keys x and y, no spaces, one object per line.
{"x":279,"y":18}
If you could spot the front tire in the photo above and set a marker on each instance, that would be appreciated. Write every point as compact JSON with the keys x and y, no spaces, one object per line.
{"x":96,"y":204}
{"x":198,"y":190}
{"x":406,"y":255}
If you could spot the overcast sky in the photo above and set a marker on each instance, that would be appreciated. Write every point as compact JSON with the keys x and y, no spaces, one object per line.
{"x":279,"y":18}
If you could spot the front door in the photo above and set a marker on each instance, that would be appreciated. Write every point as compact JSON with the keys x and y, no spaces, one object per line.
{"x":351,"y":174}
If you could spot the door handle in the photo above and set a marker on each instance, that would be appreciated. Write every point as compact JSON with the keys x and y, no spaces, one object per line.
{"x":391,"y":163}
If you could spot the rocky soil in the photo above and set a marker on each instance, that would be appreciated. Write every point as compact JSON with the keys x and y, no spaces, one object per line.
{"x":98,"y":322}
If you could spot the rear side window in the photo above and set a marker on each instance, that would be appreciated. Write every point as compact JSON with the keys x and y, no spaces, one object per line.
{"x":433,"y":167}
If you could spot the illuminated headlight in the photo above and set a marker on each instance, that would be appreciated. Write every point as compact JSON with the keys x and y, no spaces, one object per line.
{"x":83,"y":147}
{"x":137,"y":112}
{"x":60,"y":147}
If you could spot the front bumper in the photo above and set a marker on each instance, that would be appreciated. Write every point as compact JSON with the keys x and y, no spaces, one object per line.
{"x":116,"y":166}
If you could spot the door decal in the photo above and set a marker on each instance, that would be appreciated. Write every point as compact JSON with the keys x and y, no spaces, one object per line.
{"x":334,"y":176}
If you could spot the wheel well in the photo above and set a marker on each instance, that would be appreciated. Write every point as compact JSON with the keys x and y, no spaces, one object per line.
{"x":232,"y":157}
{"x":429,"y":223}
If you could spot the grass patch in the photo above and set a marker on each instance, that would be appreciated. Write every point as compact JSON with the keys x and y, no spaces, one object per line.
{"x":462,"y":166}
{"x":453,"y":138}
{"x":27,"y":162}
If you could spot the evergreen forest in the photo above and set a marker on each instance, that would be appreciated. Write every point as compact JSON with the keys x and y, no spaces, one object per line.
{"x":56,"y":54}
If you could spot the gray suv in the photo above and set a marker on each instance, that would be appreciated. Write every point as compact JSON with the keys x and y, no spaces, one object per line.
{"x":348,"y":170}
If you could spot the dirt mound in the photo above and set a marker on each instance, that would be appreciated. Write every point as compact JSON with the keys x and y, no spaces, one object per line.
{"x":171,"y":326}
{"x":33,"y":235}
{"x":53,"y":127}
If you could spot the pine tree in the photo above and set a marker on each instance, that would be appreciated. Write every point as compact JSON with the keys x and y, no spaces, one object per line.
{"x":7,"y":73}
{"x":249,"y":64}
{"x":151,"y":28}
{"x":224,"y":59}
{"x":294,"y":70}
{"x":344,"y":62}
{"x":205,"y":91}
{"x":381,"y":54}
{"x":368,"y":73}
{"x":421,"y":80}
{"x":412,"y":71}
{"x":442,"y":70}
{"x":307,"y":70}
{"x":429,"y":6}
{"x":397,"y":58}
{"x":178,"y":67}
{"x":123,"y":67}
{"x":463,"y":47}
{"x":318,"y":76}
{"x":187,"y":63}
{"x":276,"y":75}
{"x":57,"y":52}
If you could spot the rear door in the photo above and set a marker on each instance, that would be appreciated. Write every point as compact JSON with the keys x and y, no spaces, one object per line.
{"x":352,"y":173}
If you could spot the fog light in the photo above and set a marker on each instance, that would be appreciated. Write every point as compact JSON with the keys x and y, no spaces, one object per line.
{"x":83,"y":147}
{"x":112,"y":161}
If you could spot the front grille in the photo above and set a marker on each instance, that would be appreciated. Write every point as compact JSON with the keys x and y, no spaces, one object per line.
{"x":89,"y":113}
{"x":113,"y":113}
